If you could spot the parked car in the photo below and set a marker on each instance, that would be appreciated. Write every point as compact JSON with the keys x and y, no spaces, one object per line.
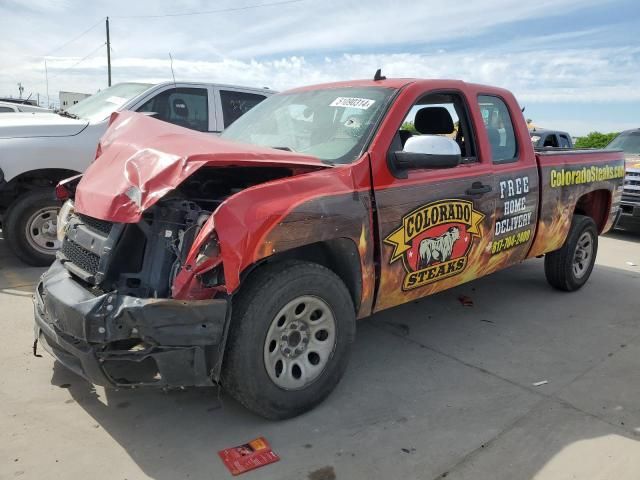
{"x":541,"y":138}
{"x":245,"y":260}
{"x":11,"y":107}
{"x":38,"y":150}
{"x":629,"y":142}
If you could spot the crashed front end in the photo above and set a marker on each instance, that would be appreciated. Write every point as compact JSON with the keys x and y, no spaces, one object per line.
{"x":104,"y":309}
{"x":137,"y":295}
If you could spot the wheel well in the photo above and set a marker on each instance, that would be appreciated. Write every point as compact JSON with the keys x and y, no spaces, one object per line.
{"x":596,"y":205}
{"x":26,"y":181}
{"x":339,"y":255}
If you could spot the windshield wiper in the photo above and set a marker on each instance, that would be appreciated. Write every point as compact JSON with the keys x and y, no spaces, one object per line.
{"x":64,"y":113}
{"x":286,"y":149}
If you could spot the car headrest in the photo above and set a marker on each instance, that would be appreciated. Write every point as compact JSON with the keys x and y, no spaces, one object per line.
{"x":433,"y":121}
{"x":494,"y":137}
{"x":180,"y":108}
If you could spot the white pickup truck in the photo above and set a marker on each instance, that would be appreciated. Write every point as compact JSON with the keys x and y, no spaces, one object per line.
{"x":39,"y":150}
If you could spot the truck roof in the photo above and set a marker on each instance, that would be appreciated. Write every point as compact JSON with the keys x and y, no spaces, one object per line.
{"x":545,"y":131}
{"x":398,"y":83}
{"x":222,"y":85}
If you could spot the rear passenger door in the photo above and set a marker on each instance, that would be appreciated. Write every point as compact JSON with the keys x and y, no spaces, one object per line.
{"x":516,"y":184}
{"x":233,"y":103}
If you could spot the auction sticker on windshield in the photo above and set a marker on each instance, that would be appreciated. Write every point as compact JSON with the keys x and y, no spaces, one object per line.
{"x":116,"y":100}
{"x":352,"y":102}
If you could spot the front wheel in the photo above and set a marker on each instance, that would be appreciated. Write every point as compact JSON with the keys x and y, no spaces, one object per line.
{"x":569,"y":267}
{"x":292,"y":327}
{"x":30,"y":227}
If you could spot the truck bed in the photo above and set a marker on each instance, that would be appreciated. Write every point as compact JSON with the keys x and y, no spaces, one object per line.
{"x":583,"y":181}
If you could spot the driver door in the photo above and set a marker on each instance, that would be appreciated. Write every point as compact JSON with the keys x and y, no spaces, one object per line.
{"x":436,"y":225}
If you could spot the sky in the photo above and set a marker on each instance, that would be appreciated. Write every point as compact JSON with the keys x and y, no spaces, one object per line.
{"x":573,"y":64}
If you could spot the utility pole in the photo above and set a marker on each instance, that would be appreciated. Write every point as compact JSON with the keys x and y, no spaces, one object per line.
{"x":20,"y":89}
{"x":108,"y":52}
{"x":46,"y":77}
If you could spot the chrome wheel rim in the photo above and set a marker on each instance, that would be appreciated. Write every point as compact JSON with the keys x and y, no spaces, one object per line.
{"x":41,"y":230}
{"x":583,"y":255}
{"x":300,"y":342}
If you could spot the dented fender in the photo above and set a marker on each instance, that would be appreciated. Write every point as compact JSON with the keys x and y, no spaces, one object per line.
{"x":284,"y":214}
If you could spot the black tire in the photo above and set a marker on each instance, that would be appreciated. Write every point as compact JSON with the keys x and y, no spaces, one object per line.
{"x":267,"y":291}
{"x":559,"y":265}
{"x":15,"y":223}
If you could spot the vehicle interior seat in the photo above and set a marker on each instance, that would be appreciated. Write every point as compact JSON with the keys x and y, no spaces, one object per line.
{"x":434,"y":121}
{"x":181,"y":112}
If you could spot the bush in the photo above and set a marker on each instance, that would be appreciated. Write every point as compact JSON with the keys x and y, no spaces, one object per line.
{"x":595,"y":140}
{"x":409,"y":126}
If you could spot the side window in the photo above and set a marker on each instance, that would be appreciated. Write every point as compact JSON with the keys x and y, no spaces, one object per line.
{"x":499,"y":126}
{"x":187,"y":107}
{"x":564,"y":141}
{"x":236,"y":104}
{"x":6,"y":110}
{"x":443,"y":114}
{"x":551,"y":141}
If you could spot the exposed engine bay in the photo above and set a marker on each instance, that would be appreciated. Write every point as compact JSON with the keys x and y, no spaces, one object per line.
{"x":143,"y":259}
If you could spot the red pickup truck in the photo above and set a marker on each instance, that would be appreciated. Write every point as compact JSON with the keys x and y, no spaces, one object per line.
{"x":245,"y":260}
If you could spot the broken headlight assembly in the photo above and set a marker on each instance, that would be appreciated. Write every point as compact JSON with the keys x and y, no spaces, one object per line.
{"x":64,"y":215}
{"x":209,"y":251}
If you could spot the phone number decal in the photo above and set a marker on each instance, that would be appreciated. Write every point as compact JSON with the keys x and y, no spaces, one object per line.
{"x":509,"y":242}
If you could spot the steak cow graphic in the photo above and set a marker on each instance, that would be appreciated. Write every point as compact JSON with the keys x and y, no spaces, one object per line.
{"x":434,"y":241}
{"x":438,"y":249}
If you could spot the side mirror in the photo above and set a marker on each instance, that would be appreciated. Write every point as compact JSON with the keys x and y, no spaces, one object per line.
{"x":428,"y":151}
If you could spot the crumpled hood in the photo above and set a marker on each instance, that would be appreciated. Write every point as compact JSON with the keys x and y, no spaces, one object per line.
{"x":142,"y":159}
{"x":29,"y":124}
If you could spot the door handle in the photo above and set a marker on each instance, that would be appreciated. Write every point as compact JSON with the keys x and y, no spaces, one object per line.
{"x":477,"y":188}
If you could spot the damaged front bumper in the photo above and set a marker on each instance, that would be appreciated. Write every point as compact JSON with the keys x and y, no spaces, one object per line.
{"x":124,"y":341}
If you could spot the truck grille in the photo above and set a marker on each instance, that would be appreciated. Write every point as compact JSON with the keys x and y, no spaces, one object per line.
{"x":96,"y":224}
{"x":632,"y":183}
{"x":84,"y":259}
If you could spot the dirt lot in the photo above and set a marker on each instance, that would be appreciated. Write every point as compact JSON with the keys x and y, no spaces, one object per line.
{"x":434,"y":389}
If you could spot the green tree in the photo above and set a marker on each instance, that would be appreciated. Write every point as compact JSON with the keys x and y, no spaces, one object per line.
{"x":595,"y":140}
{"x":410,"y":127}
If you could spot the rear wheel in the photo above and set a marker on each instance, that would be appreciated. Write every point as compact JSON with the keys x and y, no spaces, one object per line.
{"x":292,"y":327}
{"x":30,"y":227}
{"x":569,"y":267}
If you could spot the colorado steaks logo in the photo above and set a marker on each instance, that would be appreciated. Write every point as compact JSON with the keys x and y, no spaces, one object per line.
{"x":434,"y":241}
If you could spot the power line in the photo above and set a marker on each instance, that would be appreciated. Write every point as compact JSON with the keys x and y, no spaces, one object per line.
{"x":75,"y":38}
{"x":80,"y":61}
{"x":209,"y":12}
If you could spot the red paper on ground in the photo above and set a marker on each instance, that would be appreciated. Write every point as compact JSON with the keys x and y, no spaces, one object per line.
{"x":243,"y":458}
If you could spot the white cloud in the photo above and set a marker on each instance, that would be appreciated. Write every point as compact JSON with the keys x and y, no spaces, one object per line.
{"x":549,"y":76}
{"x":304,"y":43}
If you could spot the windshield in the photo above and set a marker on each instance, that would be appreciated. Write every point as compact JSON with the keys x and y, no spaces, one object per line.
{"x":331,"y":124}
{"x":102,"y":104}
{"x":628,"y":142}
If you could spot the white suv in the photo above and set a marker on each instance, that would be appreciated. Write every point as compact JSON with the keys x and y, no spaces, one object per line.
{"x":37,"y":150}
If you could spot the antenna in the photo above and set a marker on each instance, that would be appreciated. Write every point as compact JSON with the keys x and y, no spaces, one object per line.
{"x":172,"y":74}
{"x":378,"y":76}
